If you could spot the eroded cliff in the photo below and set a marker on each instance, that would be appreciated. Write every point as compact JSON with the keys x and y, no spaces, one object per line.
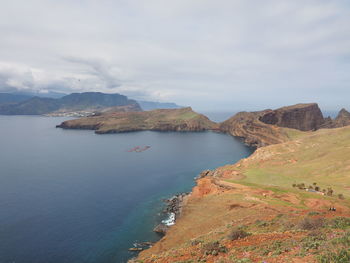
{"x":263,"y":128}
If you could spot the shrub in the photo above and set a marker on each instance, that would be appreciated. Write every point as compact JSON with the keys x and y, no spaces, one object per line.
{"x":313,"y":213}
{"x":329,"y":191}
{"x":261,"y":223}
{"x":237,"y":234}
{"x":214,"y":248}
{"x":301,"y":186}
{"x":311,"y":223}
{"x":195,"y":242}
{"x":341,"y":196}
{"x":317,"y":235}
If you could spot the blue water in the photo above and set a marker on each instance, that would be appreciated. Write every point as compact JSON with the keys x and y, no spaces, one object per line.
{"x":73,"y":196}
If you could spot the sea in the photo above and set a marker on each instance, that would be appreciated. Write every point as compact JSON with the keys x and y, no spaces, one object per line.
{"x":71,"y":196}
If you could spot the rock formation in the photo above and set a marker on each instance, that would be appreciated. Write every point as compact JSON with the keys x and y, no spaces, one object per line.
{"x":247,"y":126}
{"x":263,"y":128}
{"x":304,"y":117}
{"x":257,"y":129}
{"x":342,"y":119}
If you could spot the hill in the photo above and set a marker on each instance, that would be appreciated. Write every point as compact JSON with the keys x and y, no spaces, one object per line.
{"x":270,"y":207}
{"x":263,"y":128}
{"x":151,"y":105}
{"x":9,"y":98}
{"x":184,"y":119}
{"x":88,"y":101}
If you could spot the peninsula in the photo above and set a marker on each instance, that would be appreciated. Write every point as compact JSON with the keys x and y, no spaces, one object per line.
{"x":256,"y":129}
{"x":183,"y":119}
{"x":288,"y":202}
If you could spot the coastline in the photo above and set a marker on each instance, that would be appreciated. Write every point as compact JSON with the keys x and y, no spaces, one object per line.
{"x":174,"y":209}
{"x":226,"y":199}
{"x":257,"y":130}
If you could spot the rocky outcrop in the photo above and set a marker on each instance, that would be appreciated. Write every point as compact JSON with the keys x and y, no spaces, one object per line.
{"x":342,"y":120}
{"x":161,"y":229}
{"x":173,"y":208}
{"x":184,"y":119}
{"x":205,"y":173}
{"x":263,"y":128}
{"x":304,"y":117}
{"x":253,"y":132}
{"x":174,"y":204}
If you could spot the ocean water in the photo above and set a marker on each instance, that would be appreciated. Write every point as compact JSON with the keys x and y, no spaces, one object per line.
{"x":71,"y":196}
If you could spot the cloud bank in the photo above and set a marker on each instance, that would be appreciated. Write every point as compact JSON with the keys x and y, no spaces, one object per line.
{"x":213,"y":55}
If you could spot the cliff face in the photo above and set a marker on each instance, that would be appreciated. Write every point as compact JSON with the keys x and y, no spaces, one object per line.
{"x":304,"y":117}
{"x":254,"y":132}
{"x":343,"y":118}
{"x":263,"y":127}
{"x":184,"y":119}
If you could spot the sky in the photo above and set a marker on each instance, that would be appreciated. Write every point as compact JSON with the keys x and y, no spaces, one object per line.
{"x":214,"y":55}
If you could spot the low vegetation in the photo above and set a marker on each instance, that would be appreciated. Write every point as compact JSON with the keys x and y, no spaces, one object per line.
{"x":259,"y":209}
{"x":237,"y":234}
{"x":213,"y":248}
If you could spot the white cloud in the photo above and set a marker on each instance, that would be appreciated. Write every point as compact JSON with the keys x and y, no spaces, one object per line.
{"x":210,"y":54}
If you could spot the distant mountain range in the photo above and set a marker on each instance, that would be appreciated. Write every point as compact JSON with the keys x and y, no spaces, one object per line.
{"x":151,"y":105}
{"x":28,"y":104}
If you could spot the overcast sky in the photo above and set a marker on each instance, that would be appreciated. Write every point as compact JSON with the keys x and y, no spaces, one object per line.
{"x":212,"y":55}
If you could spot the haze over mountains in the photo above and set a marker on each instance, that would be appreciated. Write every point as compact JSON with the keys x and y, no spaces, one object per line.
{"x":28,"y":104}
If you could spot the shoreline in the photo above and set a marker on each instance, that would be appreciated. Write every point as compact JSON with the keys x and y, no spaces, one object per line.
{"x":173,"y":209}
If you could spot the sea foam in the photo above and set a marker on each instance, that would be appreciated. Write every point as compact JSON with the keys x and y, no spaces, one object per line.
{"x":170,"y":220}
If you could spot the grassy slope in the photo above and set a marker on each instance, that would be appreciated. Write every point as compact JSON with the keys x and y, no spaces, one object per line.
{"x":321,"y":157}
{"x":256,"y":195}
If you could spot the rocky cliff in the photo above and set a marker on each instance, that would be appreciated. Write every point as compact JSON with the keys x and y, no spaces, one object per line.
{"x":257,"y":129}
{"x":184,"y":119}
{"x":304,"y":117}
{"x":247,"y":126}
{"x":342,"y":119}
{"x":263,"y":128}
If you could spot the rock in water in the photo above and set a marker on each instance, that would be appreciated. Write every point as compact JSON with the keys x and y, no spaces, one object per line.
{"x":161,"y":229}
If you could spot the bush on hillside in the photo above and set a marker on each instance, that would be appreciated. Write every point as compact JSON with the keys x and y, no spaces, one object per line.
{"x":309,"y":223}
{"x":237,"y":234}
{"x":214,"y":248}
